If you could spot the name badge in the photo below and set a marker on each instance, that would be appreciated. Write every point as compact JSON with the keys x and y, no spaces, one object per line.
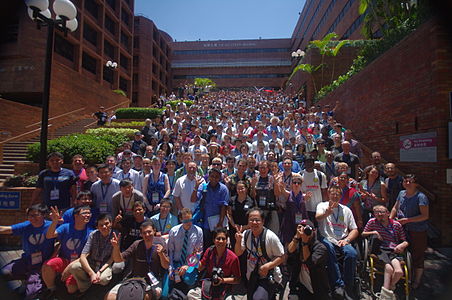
{"x":337,"y":232}
{"x":392,"y":245}
{"x":152,"y":279}
{"x":298,"y":218}
{"x":103,"y":207}
{"x":55,"y":194}
{"x":262,"y":201}
{"x":155,"y":198}
{"x":36,"y":258}
{"x":74,"y":256}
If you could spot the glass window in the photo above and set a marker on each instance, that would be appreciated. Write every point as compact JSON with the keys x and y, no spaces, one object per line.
{"x":110,"y":25}
{"x":92,"y":7}
{"x":90,"y":34}
{"x":64,"y":48}
{"x":89,"y":63}
{"x":109,"y":49}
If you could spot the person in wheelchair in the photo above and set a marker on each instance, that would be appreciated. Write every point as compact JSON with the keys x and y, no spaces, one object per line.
{"x":338,"y":229}
{"x":388,"y":242}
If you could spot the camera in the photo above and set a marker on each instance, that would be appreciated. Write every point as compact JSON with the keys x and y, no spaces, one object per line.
{"x":217,"y":273}
{"x":308,"y":230}
{"x":271,"y":279}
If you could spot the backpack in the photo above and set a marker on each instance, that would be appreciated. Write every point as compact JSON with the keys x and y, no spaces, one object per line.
{"x":132,"y":289}
{"x":262,"y":243}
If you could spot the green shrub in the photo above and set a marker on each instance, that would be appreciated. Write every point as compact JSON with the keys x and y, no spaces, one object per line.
{"x":138,"y":113}
{"x":93,"y":148}
{"x":126,"y":124}
{"x":174,"y":103}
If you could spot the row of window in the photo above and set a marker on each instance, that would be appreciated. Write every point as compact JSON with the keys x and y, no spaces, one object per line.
{"x":91,"y":35}
{"x":353,"y":27}
{"x":313,"y":16}
{"x":231,"y":76}
{"x":324,"y":18}
{"x":222,"y":64}
{"x":226,"y":51}
{"x":94,"y":10}
{"x":304,"y":18}
{"x":341,"y":15}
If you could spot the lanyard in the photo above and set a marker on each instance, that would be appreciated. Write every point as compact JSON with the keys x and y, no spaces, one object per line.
{"x":104,"y":194}
{"x":298,"y":199}
{"x":288,"y":179}
{"x":149,"y":255}
{"x":330,"y":168}
{"x":172,"y":180}
{"x":344,"y":193}
{"x":336,"y":217}
{"x":124,"y":201}
{"x":162,"y":229}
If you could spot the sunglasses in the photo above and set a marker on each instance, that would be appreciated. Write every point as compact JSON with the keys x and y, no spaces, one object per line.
{"x":296,"y":182}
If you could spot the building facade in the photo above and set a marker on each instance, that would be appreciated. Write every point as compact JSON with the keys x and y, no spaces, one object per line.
{"x":232,"y":63}
{"x":151,"y":63}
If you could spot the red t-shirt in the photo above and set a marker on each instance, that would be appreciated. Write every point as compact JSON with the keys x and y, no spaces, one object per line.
{"x":229,"y":262}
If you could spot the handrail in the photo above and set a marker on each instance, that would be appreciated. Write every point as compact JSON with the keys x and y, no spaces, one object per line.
{"x":59,"y":116}
{"x":429,"y":194}
{"x":21,"y":135}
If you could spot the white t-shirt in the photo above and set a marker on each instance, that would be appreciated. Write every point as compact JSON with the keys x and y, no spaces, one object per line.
{"x":338,"y":225}
{"x":273,"y":247}
{"x":132,"y":175}
{"x":183,"y":188}
{"x":311,"y":183}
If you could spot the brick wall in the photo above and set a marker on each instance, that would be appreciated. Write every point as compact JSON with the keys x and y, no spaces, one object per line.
{"x":10,"y":217}
{"x":13,"y":113}
{"x":405,"y":91}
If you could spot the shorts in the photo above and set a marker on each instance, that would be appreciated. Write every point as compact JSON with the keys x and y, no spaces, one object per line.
{"x":387,"y":256}
{"x":58,"y":264}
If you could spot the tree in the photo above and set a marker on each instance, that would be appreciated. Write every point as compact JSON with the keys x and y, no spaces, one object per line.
{"x":204,"y":83}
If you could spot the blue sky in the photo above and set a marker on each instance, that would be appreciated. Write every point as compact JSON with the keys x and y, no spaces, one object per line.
{"x":189,"y":20}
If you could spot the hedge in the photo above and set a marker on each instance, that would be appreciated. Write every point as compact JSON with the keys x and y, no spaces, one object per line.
{"x":174,"y":103}
{"x":94,"y":146}
{"x":126,"y":124}
{"x":138,"y":113}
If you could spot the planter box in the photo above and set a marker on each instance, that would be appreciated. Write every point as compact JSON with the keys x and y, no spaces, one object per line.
{"x":13,"y":216}
{"x":26,"y":167}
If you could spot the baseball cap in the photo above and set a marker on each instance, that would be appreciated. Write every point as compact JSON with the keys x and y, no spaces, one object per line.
{"x":308,"y":222}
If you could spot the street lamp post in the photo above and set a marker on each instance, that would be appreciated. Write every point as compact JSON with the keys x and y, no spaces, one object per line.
{"x":65,"y":21}
{"x":112,"y":65}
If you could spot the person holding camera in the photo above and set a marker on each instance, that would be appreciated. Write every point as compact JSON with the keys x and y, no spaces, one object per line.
{"x":308,"y":259}
{"x":222,"y":269}
{"x":265,"y":253}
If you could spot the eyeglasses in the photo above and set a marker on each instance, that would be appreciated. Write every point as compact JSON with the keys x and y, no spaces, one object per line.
{"x":255,"y":220}
{"x":296,"y":182}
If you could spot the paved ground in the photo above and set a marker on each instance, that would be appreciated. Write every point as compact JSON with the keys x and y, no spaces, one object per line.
{"x":437,"y":283}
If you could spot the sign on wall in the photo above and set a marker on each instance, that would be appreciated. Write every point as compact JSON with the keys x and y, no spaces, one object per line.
{"x":9,"y":200}
{"x":418,"y":147}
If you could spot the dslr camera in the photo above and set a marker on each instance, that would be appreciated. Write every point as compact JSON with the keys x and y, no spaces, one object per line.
{"x":217,"y":273}
{"x":308,"y":230}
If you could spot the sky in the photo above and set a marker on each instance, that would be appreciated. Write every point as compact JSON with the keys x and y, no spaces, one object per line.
{"x":191,"y":20}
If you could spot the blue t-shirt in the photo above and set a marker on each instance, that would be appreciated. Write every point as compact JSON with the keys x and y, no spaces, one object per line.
{"x":409,"y":207}
{"x":68,"y":217}
{"x":34,"y":241}
{"x":164,"y":225}
{"x":215,"y":199}
{"x":72,"y":240}
{"x":56,"y":187}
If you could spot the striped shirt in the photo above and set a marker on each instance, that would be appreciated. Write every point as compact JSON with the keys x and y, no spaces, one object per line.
{"x":392,"y":235}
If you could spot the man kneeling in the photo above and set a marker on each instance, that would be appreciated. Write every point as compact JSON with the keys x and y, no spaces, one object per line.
{"x":149,"y":262}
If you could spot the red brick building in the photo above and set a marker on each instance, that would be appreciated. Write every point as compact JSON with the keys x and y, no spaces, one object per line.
{"x":232,"y":63}
{"x":151,"y":62}
{"x":79,"y":76}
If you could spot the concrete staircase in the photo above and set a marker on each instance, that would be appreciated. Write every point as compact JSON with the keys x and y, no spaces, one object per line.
{"x":17,"y":151}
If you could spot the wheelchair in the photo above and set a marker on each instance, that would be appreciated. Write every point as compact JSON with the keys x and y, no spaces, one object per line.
{"x":374,"y":268}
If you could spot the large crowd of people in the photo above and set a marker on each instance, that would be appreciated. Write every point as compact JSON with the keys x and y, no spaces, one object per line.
{"x":242,"y":188}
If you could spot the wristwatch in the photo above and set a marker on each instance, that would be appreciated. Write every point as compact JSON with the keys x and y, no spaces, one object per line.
{"x":304,"y":244}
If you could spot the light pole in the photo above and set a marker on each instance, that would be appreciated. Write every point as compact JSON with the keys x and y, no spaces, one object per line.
{"x":111,"y":65}
{"x":65,"y":12}
{"x":298,"y":54}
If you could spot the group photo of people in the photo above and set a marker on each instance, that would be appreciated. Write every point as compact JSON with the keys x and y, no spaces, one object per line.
{"x":241,"y":195}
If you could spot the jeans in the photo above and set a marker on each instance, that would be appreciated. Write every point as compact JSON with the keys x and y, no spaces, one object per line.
{"x":349,"y":264}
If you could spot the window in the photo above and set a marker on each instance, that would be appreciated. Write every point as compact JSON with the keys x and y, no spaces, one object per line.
{"x":154,"y":69}
{"x":225,"y":51}
{"x":135,"y":61}
{"x":125,"y":40}
{"x":135,"y":98}
{"x":111,"y":3}
{"x":124,"y":61}
{"x":64,"y":48}
{"x":109,"y":49}
{"x":11,"y":32}
{"x":89,"y":63}
{"x":123,"y":84}
{"x":135,"y":79}
{"x":108,"y":74}
{"x":125,"y":17}
{"x":110,"y":25}
{"x":90,"y":34}
{"x":92,"y":7}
